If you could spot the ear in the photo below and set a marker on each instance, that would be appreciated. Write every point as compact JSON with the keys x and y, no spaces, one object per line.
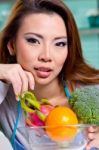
{"x":11,"y":47}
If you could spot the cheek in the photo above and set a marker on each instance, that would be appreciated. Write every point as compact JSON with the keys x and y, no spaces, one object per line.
{"x":61,"y":59}
{"x":25,"y":59}
{"x":24,"y":53}
{"x":21,"y":48}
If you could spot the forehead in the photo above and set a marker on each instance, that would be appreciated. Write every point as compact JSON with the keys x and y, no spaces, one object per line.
{"x":41,"y":22}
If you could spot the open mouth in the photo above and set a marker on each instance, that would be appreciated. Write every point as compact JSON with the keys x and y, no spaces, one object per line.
{"x":43,"y":72}
{"x":43,"y":69}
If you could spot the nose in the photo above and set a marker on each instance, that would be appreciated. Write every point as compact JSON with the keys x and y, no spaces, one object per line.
{"x":45,"y":54}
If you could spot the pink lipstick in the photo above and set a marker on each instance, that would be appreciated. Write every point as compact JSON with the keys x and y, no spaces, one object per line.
{"x":43,"y":72}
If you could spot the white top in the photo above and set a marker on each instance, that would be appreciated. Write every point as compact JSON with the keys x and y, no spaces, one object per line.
{"x":4,"y":143}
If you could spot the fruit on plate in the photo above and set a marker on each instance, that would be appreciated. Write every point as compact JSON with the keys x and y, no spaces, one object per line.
{"x":60,"y":123}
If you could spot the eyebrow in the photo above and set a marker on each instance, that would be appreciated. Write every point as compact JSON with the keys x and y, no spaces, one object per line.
{"x":40,"y":36}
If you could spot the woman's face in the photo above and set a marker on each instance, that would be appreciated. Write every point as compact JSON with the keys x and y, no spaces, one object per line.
{"x":41,"y":46}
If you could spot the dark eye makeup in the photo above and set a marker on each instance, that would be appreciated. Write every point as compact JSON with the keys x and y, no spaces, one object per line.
{"x":32,"y":40}
{"x":61,"y":44}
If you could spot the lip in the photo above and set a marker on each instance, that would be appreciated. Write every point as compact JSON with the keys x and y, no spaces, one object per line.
{"x":43,"y":72}
{"x":44,"y":69}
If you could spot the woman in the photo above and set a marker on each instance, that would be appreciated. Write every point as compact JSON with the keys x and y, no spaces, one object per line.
{"x":39,"y":48}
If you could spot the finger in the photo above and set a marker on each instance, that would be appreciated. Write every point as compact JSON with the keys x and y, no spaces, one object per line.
{"x":16,"y":83}
{"x":92,"y":129}
{"x":91,"y":136}
{"x":24,"y":80}
{"x":96,"y":129}
{"x":93,"y":143}
{"x":30,"y":80}
{"x":12,"y":76}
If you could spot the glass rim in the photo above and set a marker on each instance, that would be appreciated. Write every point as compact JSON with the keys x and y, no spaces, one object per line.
{"x":60,"y":126}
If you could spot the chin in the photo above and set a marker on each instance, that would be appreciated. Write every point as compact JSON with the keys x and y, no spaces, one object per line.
{"x":43,"y":81}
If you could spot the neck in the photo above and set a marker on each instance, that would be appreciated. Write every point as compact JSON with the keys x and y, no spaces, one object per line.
{"x":50,"y":91}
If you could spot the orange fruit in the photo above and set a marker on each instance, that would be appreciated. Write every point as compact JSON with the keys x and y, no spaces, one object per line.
{"x":56,"y":123}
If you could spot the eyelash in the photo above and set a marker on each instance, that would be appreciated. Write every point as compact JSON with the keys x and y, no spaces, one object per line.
{"x":33,"y":40}
{"x":61,"y":44}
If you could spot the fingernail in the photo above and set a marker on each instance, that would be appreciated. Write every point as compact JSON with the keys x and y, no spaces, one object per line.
{"x":17,"y":98}
{"x":32,"y":87}
{"x":87,"y":148}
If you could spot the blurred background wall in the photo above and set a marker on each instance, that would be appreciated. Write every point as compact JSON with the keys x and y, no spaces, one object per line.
{"x":86,"y":13}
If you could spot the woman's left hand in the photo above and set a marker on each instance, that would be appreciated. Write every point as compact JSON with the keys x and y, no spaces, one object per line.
{"x":93,"y":137}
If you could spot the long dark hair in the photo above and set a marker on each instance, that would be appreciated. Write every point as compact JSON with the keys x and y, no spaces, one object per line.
{"x":75,"y":67}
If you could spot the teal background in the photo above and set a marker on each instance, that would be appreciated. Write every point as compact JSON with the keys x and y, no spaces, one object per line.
{"x":90,"y":41}
{"x":5,"y":8}
{"x":79,"y":8}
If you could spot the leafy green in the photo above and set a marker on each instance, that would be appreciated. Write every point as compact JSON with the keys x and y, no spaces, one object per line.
{"x":85,"y":103}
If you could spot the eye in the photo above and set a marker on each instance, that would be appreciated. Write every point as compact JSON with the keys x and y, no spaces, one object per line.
{"x":33,"y":41}
{"x":61,"y":44}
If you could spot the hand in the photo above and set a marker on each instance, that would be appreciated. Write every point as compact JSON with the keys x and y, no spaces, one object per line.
{"x":93,"y":136}
{"x":20,"y":79}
